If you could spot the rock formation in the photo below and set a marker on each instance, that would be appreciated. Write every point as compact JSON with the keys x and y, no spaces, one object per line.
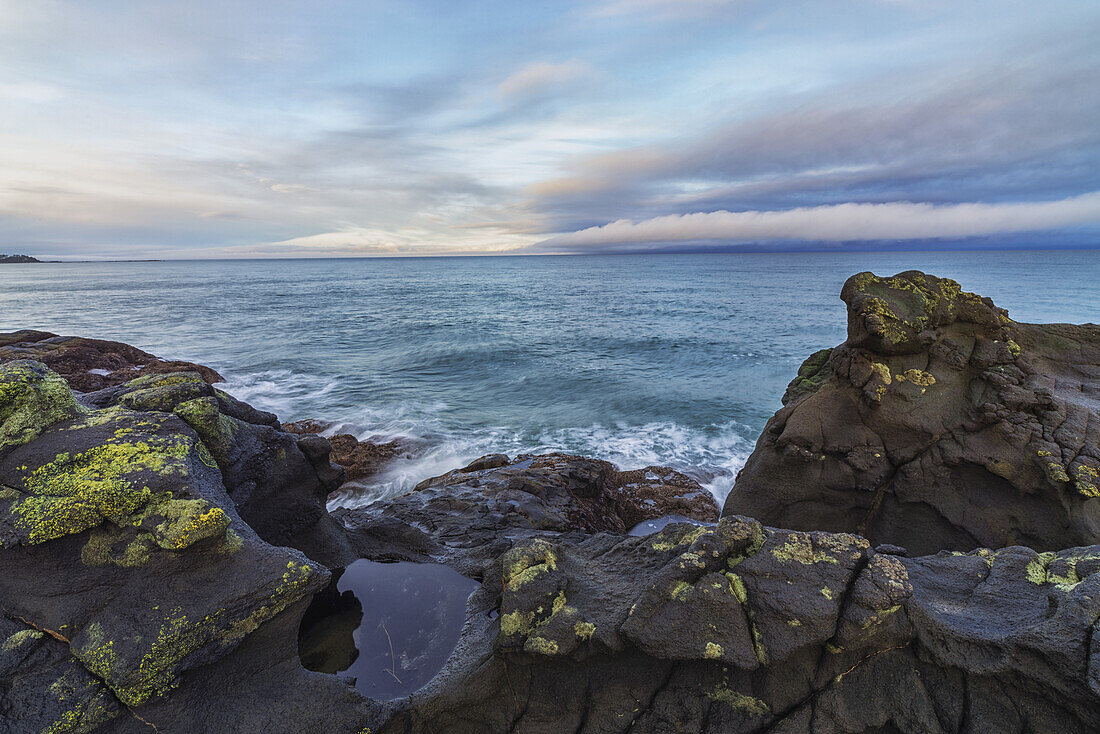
{"x":160,"y":542}
{"x":581,"y":493}
{"x":743,"y":628}
{"x":127,"y":567}
{"x":91,"y":364}
{"x":939,"y":423}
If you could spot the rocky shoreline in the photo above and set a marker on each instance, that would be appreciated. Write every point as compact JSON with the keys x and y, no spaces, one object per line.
{"x":911,"y":547}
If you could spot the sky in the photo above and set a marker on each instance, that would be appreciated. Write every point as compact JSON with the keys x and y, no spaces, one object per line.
{"x":341,"y":128}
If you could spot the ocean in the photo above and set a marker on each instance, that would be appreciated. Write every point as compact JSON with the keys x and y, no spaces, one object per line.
{"x":676,"y":360}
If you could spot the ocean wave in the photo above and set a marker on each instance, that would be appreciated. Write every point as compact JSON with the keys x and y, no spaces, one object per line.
{"x":288,"y":394}
{"x":711,"y":454}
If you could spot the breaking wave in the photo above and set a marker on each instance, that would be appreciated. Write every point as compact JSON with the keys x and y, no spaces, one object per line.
{"x":712,"y":454}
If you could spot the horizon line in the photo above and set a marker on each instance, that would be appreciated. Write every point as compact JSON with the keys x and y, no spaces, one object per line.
{"x":752,"y":250}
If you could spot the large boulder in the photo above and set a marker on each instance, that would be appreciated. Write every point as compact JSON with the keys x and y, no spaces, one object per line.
{"x":126,"y":572}
{"x":939,"y":424}
{"x":278,"y":481}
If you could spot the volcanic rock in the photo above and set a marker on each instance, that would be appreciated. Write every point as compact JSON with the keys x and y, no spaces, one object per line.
{"x":745,"y":628}
{"x":126,"y":571}
{"x":142,"y":582}
{"x":92,"y":364}
{"x":939,"y":424}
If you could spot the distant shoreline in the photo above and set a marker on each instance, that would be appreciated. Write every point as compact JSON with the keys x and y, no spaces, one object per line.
{"x":75,"y":262}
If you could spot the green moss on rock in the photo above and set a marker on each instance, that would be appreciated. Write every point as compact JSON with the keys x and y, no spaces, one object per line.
{"x":799,"y":548}
{"x":163,"y":395}
{"x":86,"y":704}
{"x":812,"y":374}
{"x":541,"y":645}
{"x":137,"y":679}
{"x":113,"y":547}
{"x":216,"y":430}
{"x":14,"y":642}
{"x":739,"y":701}
{"x":676,"y":535}
{"x":891,"y":315}
{"x":186,"y":522}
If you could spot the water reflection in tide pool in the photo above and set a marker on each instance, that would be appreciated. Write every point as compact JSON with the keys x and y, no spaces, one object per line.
{"x":390,"y":626}
{"x":648,"y":527}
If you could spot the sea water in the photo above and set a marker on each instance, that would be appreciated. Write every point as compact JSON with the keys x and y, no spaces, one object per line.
{"x":646,"y":359}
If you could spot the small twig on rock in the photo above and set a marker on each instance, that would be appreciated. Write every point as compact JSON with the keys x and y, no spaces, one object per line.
{"x":56,"y":635}
{"x":143,"y":721}
{"x":861,"y":662}
{"x":392,"y":670}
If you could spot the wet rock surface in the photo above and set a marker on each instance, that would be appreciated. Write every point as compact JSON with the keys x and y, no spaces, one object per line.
{"x":939,"y":424}
{"x":160,"y":543}
{"x":361,"y":459}
{"x":583,"y":493}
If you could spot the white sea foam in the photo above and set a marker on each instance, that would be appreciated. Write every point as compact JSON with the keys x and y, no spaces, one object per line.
{"x":290,"y":395}
{"x":712,"y":455}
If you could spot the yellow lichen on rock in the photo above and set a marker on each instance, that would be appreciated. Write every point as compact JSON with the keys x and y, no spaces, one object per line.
{"x":799,"y":548}
{"x":75,"y":492}
{"x":32,"y":398}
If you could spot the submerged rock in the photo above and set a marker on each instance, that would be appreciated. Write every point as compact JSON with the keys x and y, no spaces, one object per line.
{"x":361,"y":459}
{"x":939,"y":424}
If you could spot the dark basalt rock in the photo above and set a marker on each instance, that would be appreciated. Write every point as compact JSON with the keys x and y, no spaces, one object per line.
{"x":470,"y":516}
{"x":75,"y":358}
{"x":489,"y":461}
{"x":939,"y":424}
{"x":590,"y":494}
{"x":126,"y":569}
{"x":743,"y":628}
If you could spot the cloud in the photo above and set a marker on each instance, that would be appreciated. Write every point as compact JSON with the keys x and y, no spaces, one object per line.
{"x":358,"y":241}
{"x":663,"y":8}
{"x":540,"y":75}
{"x":382,"y":127}
{"x":1016,"y":126}
{"x":841,"y":223}
{"x":30,"y":91}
